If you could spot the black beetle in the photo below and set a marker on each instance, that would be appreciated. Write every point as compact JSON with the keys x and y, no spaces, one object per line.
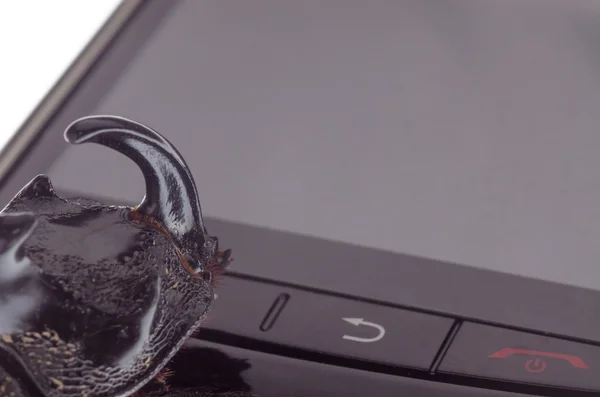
{"x":96,"y":299}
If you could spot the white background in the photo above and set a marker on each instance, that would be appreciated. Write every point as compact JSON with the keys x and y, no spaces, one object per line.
{"x":38,"y":41}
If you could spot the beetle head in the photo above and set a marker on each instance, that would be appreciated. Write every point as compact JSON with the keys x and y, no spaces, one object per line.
{"x":119,"y":289}
{"x":171,"y":201}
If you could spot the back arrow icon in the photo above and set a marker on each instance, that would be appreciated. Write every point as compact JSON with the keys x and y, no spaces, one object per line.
{"x":361,"y":321}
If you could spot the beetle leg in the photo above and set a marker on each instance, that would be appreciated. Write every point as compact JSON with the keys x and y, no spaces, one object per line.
{"x":219,"y":264}
{"x":221,"y":259}
{"x":162,"y":378}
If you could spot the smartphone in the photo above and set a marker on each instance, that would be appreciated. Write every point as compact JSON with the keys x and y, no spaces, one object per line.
{"x":409,"y":188}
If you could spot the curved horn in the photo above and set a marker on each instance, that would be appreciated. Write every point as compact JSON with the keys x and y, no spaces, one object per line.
{"x":171,"y":196}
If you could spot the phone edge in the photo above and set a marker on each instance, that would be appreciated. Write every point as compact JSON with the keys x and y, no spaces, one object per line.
{"x":24,"y":136}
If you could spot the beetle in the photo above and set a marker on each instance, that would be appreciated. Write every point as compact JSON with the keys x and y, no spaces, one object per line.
{"x":97,"y":299}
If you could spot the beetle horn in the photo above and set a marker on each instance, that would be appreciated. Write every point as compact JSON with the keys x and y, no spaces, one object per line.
{"x":171,"y":197}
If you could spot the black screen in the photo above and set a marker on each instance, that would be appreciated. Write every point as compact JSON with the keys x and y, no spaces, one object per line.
{"x":462,"y":131}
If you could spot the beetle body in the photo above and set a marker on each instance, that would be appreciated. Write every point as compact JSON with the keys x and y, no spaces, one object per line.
{"x":96,"y":299}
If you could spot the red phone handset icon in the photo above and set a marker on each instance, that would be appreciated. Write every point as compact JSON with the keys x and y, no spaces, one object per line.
{"x":537,"y":365}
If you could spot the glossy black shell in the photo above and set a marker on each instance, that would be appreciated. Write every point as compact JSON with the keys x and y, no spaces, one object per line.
{"x":95,"y":299}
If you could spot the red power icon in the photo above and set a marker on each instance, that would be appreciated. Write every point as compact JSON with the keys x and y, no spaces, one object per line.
{"x":537,"y":365}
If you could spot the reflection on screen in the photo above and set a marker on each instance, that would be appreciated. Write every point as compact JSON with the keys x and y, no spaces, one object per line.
{"x":458,"y":130}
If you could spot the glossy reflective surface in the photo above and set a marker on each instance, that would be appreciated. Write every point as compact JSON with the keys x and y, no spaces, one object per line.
{"x":274,"y":134}
{"x":269,"y":375}
{"x":19,"y":286}
{"x":96,"y":299}
{"x":101,"y":302}
{"x":171,"y":196}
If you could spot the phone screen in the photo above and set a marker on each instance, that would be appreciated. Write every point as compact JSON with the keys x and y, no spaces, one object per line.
{"x":463,"y":131}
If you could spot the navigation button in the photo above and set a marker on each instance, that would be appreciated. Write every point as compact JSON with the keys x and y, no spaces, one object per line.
{"x":360,"y":321}
{"x":328,"y":324}
{"x":508,"y":355}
